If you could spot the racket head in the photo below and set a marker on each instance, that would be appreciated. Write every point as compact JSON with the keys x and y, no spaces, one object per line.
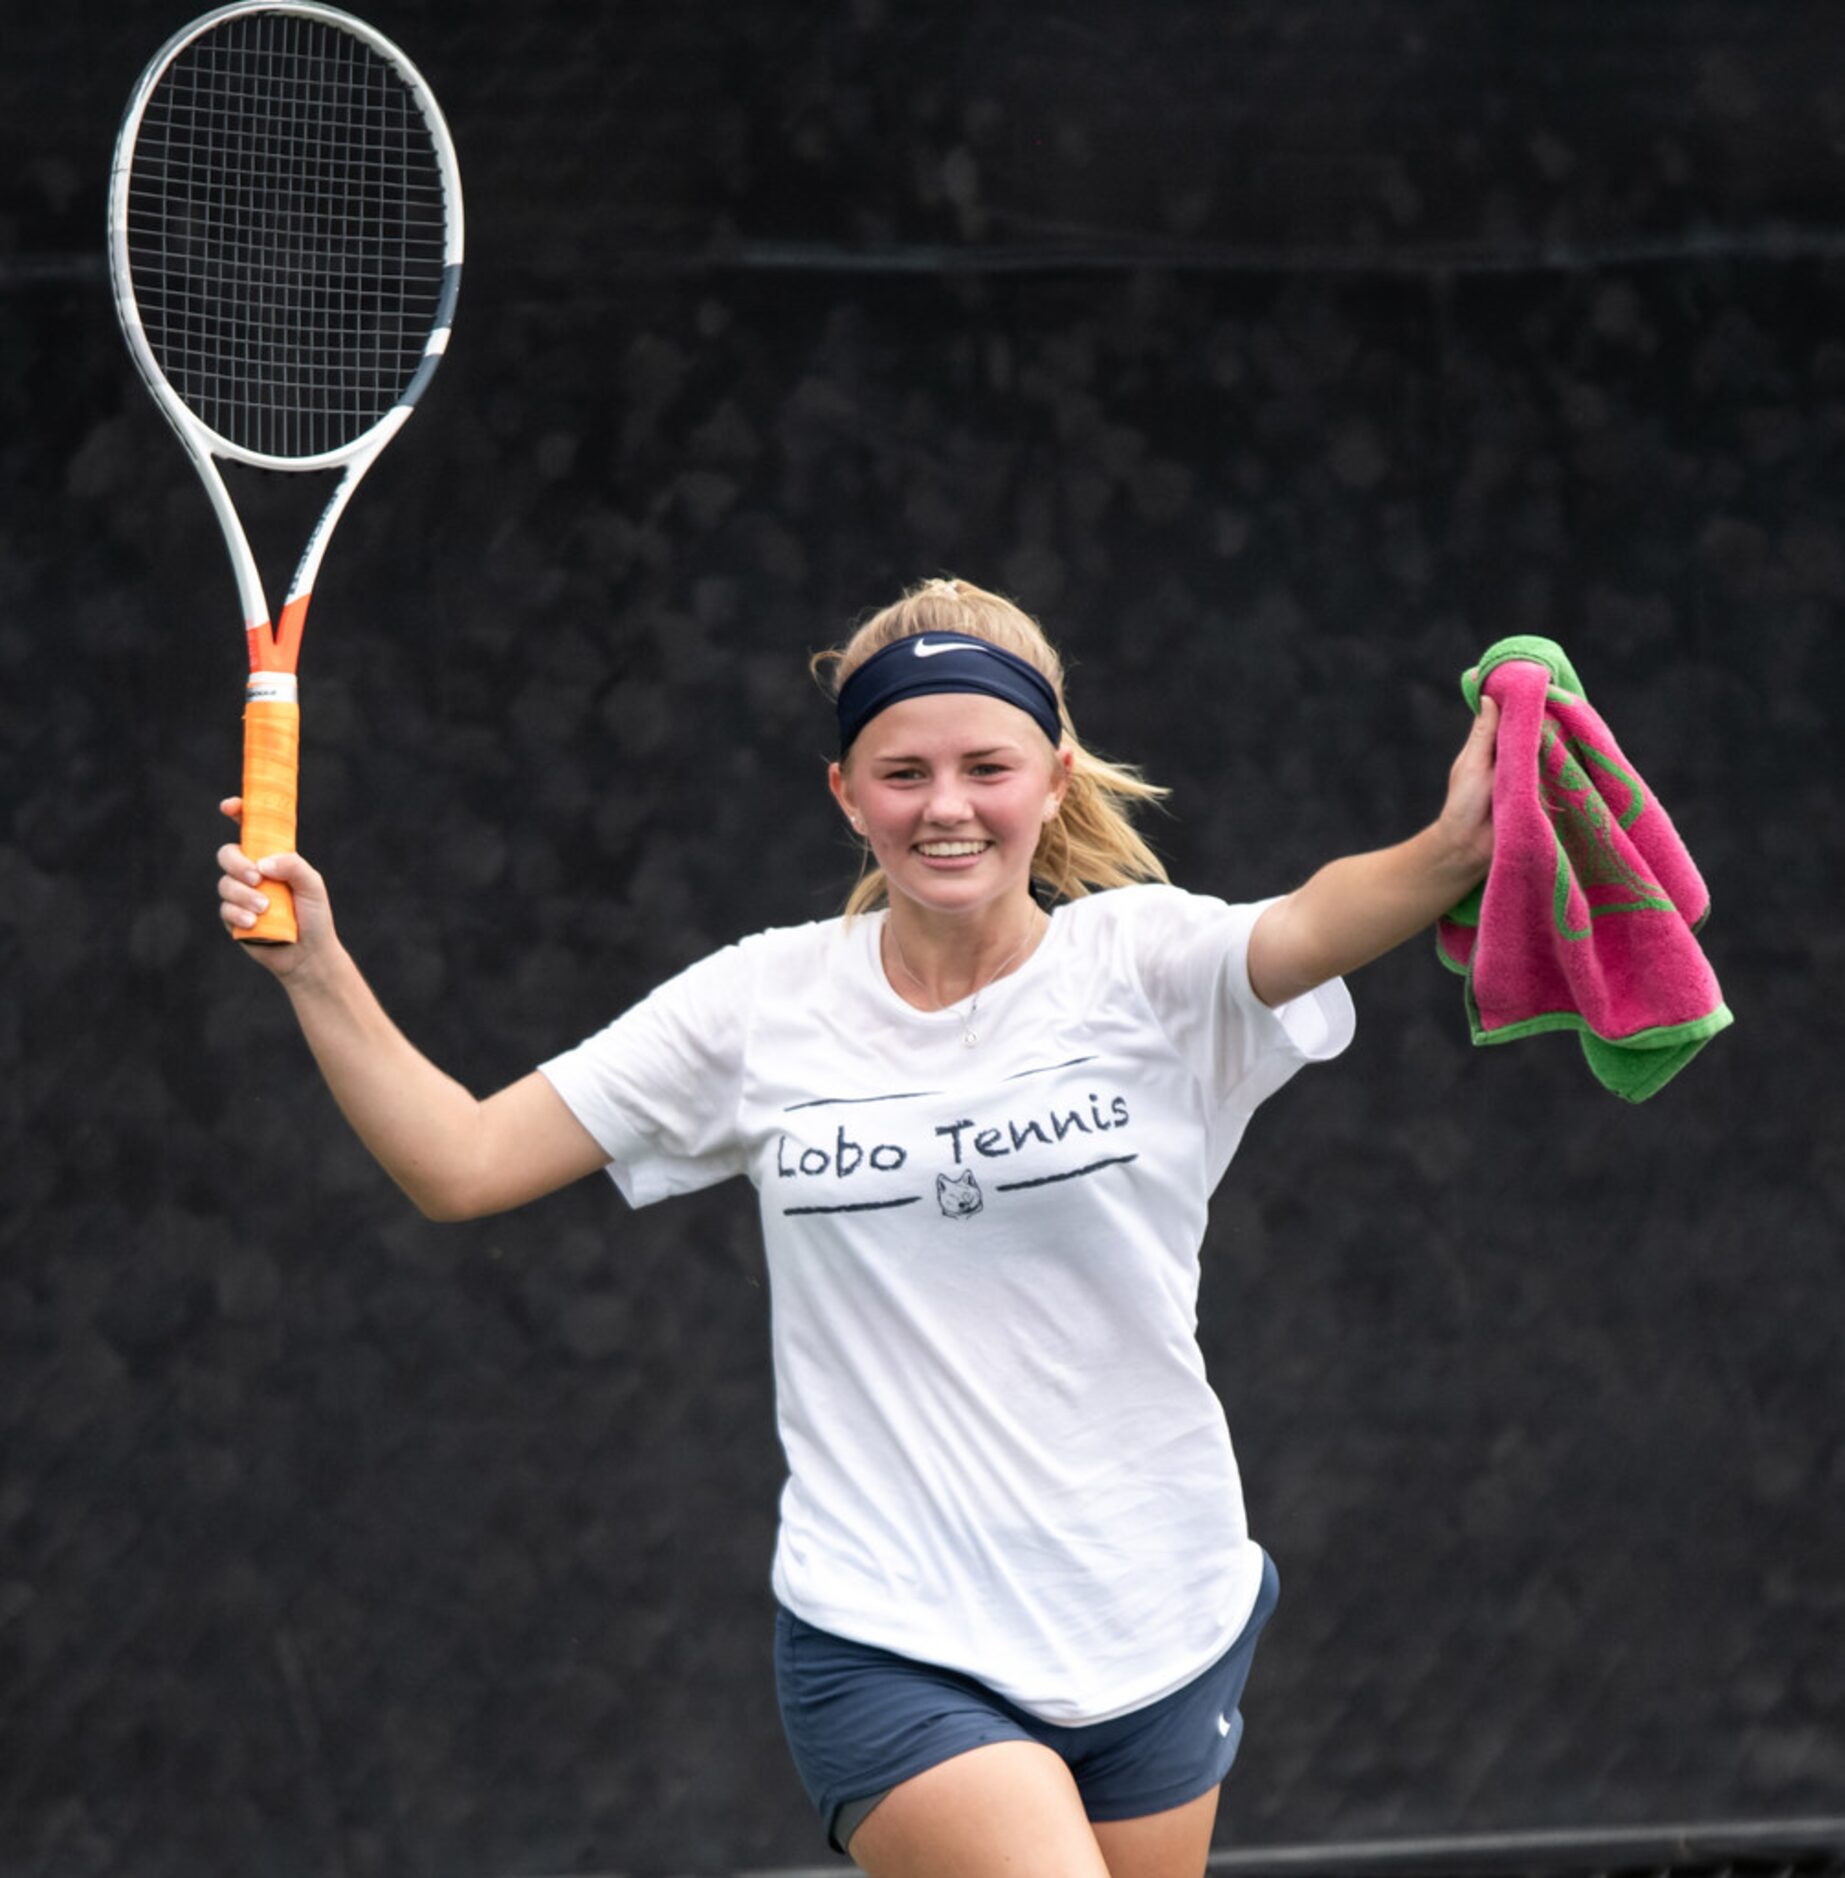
{"x":285,"y":233}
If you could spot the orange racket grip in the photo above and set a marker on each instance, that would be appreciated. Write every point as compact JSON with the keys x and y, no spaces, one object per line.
{"x":271,"y":774}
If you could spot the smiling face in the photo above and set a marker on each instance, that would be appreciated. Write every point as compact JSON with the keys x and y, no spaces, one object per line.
{"x":952,"y":791}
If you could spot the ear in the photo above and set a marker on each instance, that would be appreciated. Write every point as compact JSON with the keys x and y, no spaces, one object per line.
{"x":1061,"y":770}
{"x":842,"y":794}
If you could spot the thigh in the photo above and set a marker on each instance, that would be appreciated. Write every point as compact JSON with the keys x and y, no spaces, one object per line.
{"x":861,"y":1721}
{"x":1010,"y":1810}
{"x":1172,"y":1844}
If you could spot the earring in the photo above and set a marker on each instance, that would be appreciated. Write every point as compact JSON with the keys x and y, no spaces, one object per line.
{"x":1050,"y":810}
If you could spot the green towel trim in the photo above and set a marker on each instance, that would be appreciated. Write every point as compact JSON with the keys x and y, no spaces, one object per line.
{"x":1633,"y":1074}
{"x":1634,"y":1067}
{"x":1660,"y":1037}
{"x":1566,"y":688}
{"x":1467,"y":911}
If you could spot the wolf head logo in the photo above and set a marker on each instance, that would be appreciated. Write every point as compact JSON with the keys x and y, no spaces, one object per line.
{"x":960,"y":1196}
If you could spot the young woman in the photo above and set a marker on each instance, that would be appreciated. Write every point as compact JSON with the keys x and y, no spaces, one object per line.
{"x":983,"y":1112}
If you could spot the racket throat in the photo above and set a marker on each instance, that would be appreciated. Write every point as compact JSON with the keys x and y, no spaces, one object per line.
{"x":288,"y":631}
{"x":279,"y":650}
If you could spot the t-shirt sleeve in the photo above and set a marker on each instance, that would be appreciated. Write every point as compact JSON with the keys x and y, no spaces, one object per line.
{"x":660,"y":1087}
{"x":1191,"y":953}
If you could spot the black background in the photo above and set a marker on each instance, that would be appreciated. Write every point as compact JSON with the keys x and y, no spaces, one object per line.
{"x":1280,"y":357}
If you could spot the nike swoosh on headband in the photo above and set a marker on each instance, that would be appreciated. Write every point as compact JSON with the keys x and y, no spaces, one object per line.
{"x":924,"y":650}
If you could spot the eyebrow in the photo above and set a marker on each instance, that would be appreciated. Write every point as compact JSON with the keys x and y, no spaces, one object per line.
{"x":964,"y":756}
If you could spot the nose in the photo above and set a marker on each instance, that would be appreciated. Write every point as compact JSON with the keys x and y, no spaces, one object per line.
{"x":948,"y":802}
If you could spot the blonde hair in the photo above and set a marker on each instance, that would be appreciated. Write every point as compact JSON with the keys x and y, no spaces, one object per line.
{"x":1091,"y":842}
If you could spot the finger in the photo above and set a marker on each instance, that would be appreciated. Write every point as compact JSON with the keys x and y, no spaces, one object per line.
{"x":237,"y":890}
{"x":233,"y":807}
{"x":292,"y":871}
{"x":240,"y":895}
{"x":236,"y":913}
{"x":1482,"y":734}
{"x":288,"y":867}
{"x":233,"y":862}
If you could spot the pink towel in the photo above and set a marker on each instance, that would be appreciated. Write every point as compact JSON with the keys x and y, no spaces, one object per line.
{"x":1585,"y":920}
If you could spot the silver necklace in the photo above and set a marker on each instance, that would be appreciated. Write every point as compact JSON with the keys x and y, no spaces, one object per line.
{"x":969,"y":1035}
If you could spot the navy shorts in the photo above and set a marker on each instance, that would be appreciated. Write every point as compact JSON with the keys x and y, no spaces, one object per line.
{"x":862,"y":1720}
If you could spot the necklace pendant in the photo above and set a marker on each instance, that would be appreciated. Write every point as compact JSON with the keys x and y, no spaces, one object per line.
{"x":969,"y":1037}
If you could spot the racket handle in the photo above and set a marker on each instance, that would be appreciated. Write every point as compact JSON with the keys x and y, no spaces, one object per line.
{"x":271,"y":772}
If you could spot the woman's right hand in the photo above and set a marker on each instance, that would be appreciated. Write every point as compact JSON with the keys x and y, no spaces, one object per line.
{"x":241,"y":897}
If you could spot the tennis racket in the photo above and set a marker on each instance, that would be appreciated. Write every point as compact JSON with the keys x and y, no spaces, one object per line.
{"x":285,"y":244}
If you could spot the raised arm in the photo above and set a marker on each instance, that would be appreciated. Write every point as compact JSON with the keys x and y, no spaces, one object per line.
{"x":456,"y":1156}
{"x":1355,"y":909}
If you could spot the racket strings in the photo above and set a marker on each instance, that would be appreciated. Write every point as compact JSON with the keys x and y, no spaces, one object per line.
{"x":287,"y":232}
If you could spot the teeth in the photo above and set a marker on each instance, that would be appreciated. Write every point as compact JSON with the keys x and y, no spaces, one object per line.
{"x":945,"y":850}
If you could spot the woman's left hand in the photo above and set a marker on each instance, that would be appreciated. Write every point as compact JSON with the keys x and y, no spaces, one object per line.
{"x":1467,"y":816}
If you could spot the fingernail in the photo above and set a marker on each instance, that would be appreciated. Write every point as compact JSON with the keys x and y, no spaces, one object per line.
{"x":244,"y":917}
{"x":265,"y":904}
{"x":253,"y":877}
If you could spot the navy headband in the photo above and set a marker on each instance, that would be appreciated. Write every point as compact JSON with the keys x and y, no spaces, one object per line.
{"x":933,"y":662}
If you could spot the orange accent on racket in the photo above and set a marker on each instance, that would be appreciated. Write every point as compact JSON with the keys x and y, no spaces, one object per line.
{"x":288,"y":632}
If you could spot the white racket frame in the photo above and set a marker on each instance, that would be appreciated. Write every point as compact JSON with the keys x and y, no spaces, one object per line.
{"x":202,"y":442}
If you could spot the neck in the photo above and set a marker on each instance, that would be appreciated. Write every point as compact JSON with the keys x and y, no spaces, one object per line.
{"x":934,"y":963}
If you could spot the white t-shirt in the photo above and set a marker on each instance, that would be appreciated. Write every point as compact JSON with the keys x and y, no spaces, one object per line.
{"x":1003,"y":1455}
